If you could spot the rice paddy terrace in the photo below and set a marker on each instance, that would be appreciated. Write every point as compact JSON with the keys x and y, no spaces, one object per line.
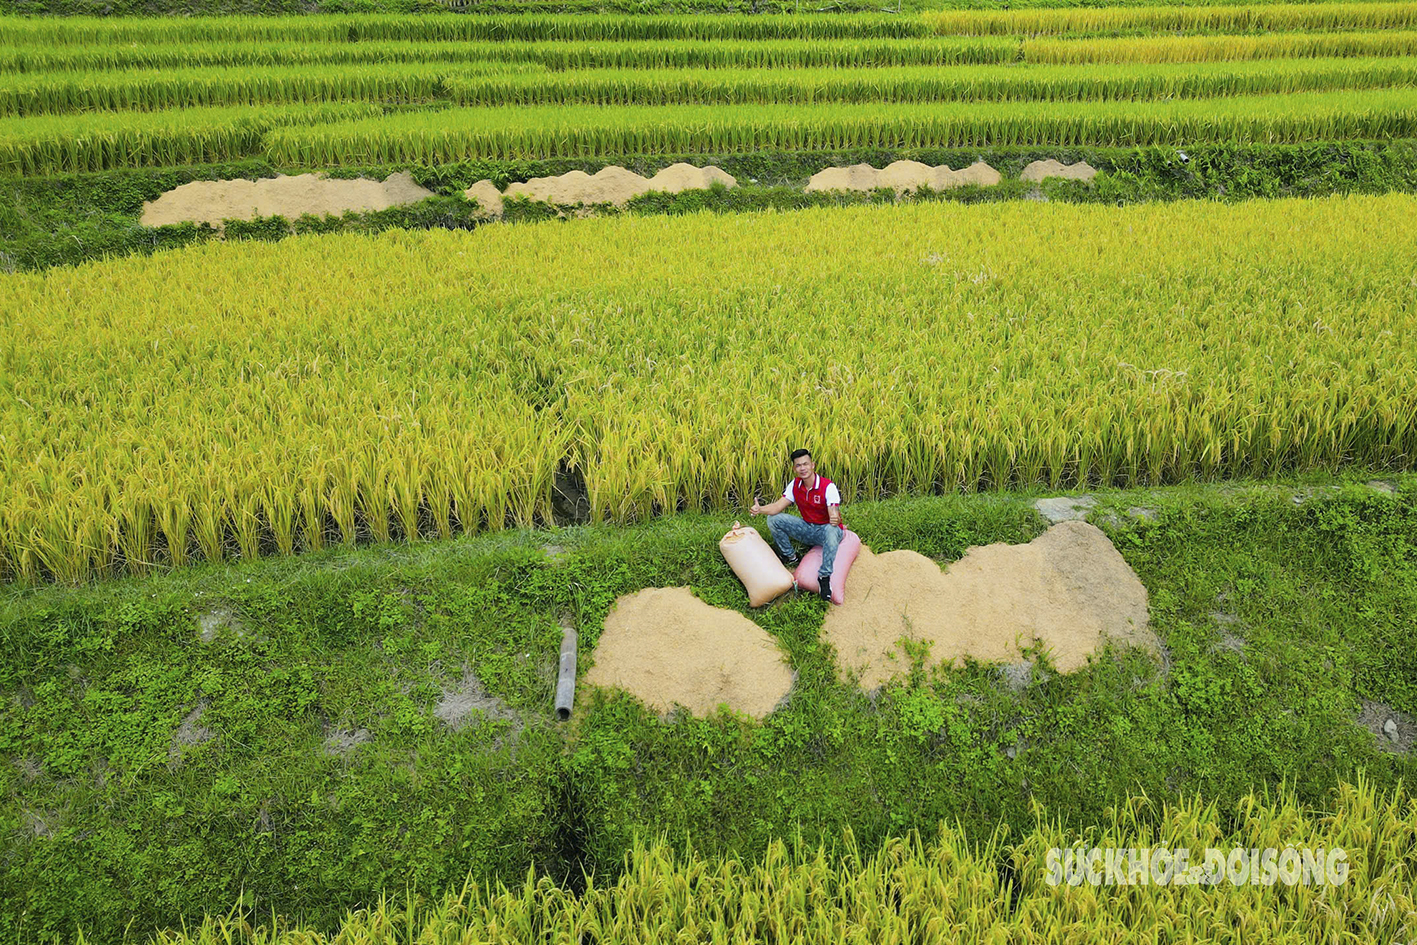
{"x":294,"y":504}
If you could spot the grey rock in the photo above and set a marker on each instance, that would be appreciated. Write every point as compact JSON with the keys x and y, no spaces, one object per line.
{"x":1394,"y":730}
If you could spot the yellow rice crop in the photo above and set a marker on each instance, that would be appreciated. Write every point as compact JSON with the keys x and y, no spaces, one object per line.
{"x":945,"y":891}
{"x":250,"y":398}
{"x":1204,"y":18}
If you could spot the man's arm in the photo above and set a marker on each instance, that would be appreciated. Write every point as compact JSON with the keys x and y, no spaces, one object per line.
{"x":772,"y":509}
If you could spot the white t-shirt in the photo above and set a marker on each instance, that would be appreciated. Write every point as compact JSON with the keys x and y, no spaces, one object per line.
{"x":833,"y":495}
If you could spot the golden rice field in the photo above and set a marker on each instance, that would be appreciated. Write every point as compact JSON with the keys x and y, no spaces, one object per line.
{"x":245,"y":398}
{"x":946,"y":890}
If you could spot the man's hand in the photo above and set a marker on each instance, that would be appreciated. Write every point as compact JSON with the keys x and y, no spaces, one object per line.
{"x":756,"y":509}
{"x":834,"y":514}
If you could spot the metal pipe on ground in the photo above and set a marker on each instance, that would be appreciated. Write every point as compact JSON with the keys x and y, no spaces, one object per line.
{"x":566,"y":679}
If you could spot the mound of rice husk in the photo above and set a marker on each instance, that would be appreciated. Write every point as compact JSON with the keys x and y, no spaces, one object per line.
{"x":612,"y":185}
{"x":902,"y":177}
{"x":680,"y":177}
{"x":978,"y":173}
{"x":1038,"y":170}
{"x":1069,"y":587}
{"x":485,"y":194}
{"x":608,"y":185}
{"x":908,"y":175}
{"x":665,"y":646}
{"x":211,"y":201}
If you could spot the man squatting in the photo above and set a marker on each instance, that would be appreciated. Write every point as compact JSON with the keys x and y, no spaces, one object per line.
{"x":819,"y":501}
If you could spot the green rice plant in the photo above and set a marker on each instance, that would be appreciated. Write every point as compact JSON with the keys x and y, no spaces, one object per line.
{"x":57,"y":144}
{"x":948,"y":889}
{"x":924,"y":84}
{"x":1197,"y":18}
{"x":509,"y":132}
{"x":158,"y":89}
{"x":56,"y":93}
{"x":767,"y":54}
{"x":263,"y":397}
{"x":351,"y":28}
{"x":1217,"y":48}
{"x":521,"y":55}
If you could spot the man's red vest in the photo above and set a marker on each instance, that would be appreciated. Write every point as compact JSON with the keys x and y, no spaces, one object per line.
{"x":812,"y":501}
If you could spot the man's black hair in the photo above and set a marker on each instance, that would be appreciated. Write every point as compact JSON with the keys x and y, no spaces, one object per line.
{"x":798,"y":454}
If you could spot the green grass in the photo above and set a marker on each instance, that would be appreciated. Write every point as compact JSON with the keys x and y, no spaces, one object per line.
{"x":96,"y":680}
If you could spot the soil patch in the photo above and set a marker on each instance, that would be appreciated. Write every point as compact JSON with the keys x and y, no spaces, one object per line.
{"x":1038,"y":170}
{"x":221,"y":617}
{"x":1395,"y":731}
{"x":467,"y":696}
{"x":1069,"y":588}
{"x":212,"y":201}
{"x":902,"y":177}
{"x":613,"y":185}
{"x":1065,"y":508}
{"x":666,"y":646}
{"x":190,"y":732}
{"x":343,"y":741}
